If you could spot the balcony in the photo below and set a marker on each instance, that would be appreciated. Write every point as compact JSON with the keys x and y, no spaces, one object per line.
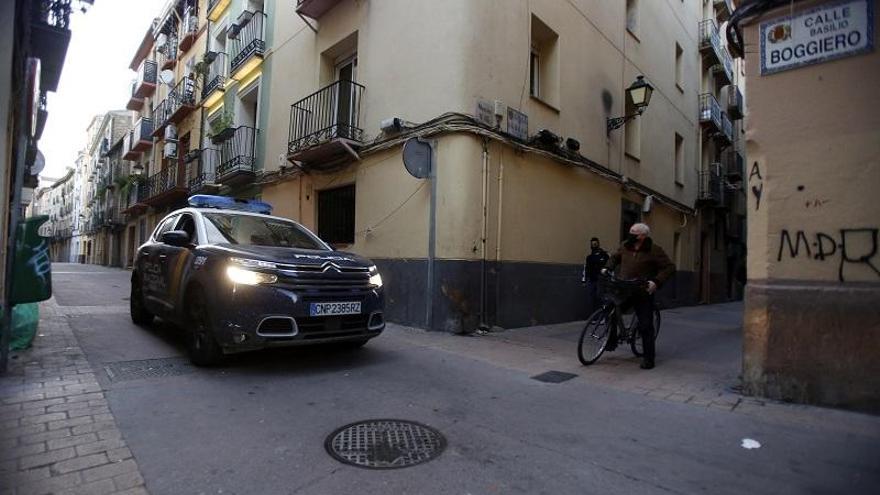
{"x":202,"y":172}
{"x":711,"y":190}
{"x":135,"y":103}
{"x":713,"y":51}
{"x":181,"y":100}
{"x":734,"y":102}
{"x":247,"y":37}
{"x":167,"y":53}
{"x":160,"y":118}
{"x":216,"y":8}
{"x":713,"y":120}
{"x":142,"y":135}
{"x":723,"y":70}
{"x":49,"y":38}
{"x":314,"y":8}
{"x":189,"y":29}
{"x":733,"y":163}
{"x":166,"y":186}
{"x":137,"y":196}
{"x":325,"y":126}
{"x":145,"y":85}
{"x":723,"y":9}
{"x":238,"y":157}
{"x":215,"y":80}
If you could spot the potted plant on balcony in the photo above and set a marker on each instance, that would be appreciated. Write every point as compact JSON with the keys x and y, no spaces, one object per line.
{"x":221,"y":128}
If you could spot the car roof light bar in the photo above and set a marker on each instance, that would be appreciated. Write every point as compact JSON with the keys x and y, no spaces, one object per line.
{"x":227,"y":203}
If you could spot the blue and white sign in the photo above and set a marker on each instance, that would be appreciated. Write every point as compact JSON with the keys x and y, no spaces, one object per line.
{"x":830,"y":31}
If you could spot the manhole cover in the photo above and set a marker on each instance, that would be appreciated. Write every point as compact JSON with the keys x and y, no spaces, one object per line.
{"x":147,"y":368}
{"x":385,"y":444}
{"x":554,"y":377}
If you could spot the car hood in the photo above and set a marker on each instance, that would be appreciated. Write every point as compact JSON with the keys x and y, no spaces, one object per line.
{"x":291,"y":255}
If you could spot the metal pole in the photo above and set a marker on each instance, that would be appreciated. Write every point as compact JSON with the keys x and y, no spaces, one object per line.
{"x":432,"y":228}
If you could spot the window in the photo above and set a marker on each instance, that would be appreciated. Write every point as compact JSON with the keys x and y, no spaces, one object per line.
{"x":679,"y":69}
{"x":188,"y":225}
{"x":632,"y":16}
{"x":630,"y":213}
{"x":164,"y":227}
{"x":336,"y":208}
{"x":632,"y":132}
{"x":544,"y":63}
{"x":679,"y":160}
{"x":226,"y":228}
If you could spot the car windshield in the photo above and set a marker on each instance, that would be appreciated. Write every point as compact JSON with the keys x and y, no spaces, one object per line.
{"x":258,"y":231}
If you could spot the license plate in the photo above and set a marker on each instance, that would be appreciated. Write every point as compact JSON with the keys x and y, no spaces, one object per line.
{"x":335,"y":308}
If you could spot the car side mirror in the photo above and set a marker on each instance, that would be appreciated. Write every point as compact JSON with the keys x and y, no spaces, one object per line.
{"x":176,"y":238}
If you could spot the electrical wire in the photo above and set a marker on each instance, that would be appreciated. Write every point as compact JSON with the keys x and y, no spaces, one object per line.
{"x":390,"y":214}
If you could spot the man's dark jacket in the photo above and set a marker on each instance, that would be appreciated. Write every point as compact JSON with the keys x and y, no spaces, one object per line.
{"x":594,"y":263}
{"x":649,"y":262}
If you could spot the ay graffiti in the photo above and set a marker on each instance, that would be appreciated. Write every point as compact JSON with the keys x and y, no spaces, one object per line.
{"x":851,"y":249}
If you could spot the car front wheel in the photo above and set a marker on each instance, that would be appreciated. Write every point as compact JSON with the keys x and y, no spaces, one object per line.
{"x":201,"y":344}
{"x":139,"y":313}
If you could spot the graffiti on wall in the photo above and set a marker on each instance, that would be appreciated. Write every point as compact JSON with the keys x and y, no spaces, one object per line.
{"x":757,"y":184}
{"x":40,"y":261}
{"x":850,"y":248}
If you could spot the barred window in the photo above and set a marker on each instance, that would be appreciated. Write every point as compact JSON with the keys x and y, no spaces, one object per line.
{"x":336,"y":215}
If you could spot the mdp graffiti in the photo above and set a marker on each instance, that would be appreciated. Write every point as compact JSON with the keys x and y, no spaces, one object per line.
{"x":853,"y":247}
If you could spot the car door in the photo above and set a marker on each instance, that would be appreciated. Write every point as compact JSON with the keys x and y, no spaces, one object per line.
{"x":177,"y":260}
{"x":152,"y":268}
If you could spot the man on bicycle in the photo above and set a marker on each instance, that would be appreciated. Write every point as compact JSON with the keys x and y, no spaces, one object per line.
{"x":639,"y":258}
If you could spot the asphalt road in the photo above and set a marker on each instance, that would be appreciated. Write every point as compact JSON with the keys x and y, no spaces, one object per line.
{"x":258,"y":424}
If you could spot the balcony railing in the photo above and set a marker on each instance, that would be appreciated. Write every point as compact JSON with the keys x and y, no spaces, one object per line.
{"x":323,"y":119}
{"x":160,"y":117}
{"x":713,"y":119}
{"x":724,"y":68}
{"x":215,"y":79}
{"x":189,"y":29}
{"x":314,"y":8}
{"x":181,"y":100}
{"x":145,"y":84}
{"x":167,"y":53}
{"x":203,"y":170}
{"x":134,"y":101}
{"x":733,"y":163}
{"x":713,"y":51}
{"x":734,"y":102}
{"x":247,"y":37}
{"x":164,"y":183}
{"x":238,"y":156}
{"x":711,"y":190}
{"x":142,"y":134}
{"x":723,"y":9}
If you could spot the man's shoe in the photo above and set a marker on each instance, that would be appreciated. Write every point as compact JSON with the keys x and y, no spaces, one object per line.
{"x":647,"y":364}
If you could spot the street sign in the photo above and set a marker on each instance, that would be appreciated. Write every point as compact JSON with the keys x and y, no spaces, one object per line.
{"x":517,"y":124}
{"x":485,"y":112}
{"x":417,"y":156}
{"x":830,"y":31}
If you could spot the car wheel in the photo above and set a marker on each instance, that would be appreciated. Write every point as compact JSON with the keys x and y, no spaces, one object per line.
{"x":201,"y":344}
{"x":139,"y":313}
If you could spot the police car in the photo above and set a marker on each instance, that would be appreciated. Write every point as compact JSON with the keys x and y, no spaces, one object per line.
{"x":237,"y":279}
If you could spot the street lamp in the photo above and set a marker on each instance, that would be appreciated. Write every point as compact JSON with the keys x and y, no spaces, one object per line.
{"x":639,"y":93}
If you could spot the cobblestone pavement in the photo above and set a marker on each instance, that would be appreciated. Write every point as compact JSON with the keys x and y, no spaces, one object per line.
{"x":57,"y":433}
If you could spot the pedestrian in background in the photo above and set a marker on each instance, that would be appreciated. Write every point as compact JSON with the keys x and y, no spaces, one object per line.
{"x":594,"y":262}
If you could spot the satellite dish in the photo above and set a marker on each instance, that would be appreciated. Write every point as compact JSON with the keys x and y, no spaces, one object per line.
{"x":167,"y":76}
{"x":418,"y":157}
{"x":39,"y":163}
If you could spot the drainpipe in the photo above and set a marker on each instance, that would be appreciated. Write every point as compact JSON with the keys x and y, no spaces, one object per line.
{"x":485,"y":215}
{"x":498,"y":228}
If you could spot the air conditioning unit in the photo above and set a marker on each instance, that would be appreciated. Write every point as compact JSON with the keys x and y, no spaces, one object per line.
{"x":170,"y":150}
{"x":170,"y":132}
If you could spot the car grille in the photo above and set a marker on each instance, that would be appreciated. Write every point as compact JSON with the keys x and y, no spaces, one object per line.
{"x":276,"y":326}
{"x":320,"y":327}
{"x":324,"y":279}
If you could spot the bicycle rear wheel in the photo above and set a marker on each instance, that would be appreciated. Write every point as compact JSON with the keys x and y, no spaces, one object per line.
{"x":594,"y":337}
{"x":636,"y":343}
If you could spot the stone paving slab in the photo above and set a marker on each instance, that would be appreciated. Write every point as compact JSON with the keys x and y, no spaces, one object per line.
{"x":57,"y":433}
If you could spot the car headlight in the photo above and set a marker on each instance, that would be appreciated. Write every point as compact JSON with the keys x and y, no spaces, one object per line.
{"x":249,"y":277}
{"x":246,"y":263}
{"x":375,"y":278}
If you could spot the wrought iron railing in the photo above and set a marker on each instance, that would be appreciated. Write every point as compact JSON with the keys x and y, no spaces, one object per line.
{"x":190,"y":24}
{"x":215,"y":79}
{"x":711,"y":188}
{"x":331,"y":112}
{"x":165,"y":181}
{"x":203,"y":170}
{"x":247,"y":38}
{"x":734,"y":102}
{"x":183,"y":94}
{"x":237,"y":153}
{"x":726,"y":127}
{"x":160,"y":114}
{"x":167,"y":53}
{"x":710,"y":43}
{"x":142,"y":130}
{"x":146,"y":73}
{"x":710,"y":111}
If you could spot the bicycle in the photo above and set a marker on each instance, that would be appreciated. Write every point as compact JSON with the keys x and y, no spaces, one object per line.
{"x":594,"y":337}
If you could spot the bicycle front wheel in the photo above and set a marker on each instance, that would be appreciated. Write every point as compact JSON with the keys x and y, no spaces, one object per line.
{"x":594,"y":337}
{"x":636,"y":343}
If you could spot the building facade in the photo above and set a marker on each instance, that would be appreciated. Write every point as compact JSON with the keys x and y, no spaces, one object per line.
{"x":813,"y":293}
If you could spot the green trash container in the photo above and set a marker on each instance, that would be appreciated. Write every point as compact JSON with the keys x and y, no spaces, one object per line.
{"x":32,"y":273}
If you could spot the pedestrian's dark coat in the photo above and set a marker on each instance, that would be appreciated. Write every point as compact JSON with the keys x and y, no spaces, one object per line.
{"x":595,"y":261}
{"x":649,"y":262}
